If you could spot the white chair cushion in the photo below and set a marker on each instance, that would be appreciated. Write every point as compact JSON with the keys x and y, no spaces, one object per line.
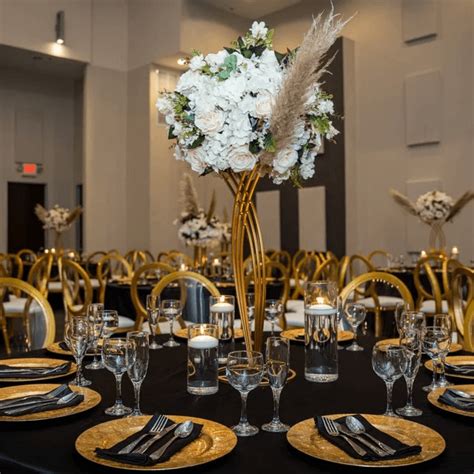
{"x":18,"y":306}
{"x":295,"y":319}
{"x":386,"y":302}
{"x":429,"y":306}
{"x":125,"y":322}
{"x":94,"y":283}
{"x":55,"y":286}
{"x":295,"y":305}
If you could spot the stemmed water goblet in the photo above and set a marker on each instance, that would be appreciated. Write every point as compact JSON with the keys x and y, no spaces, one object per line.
{"x":244,"y":372}
{"x":277,"y":367}
{"x":436,"y":344}
{"x":389,"y":363}
{"x":408,"y":320}
{"x":273,"y":312}
{"x":171,"y":309}
{"x":355,"y":315}
{"x":118,"y":355}
{"x":412,"y":342}
{"x":153,"y":314}
{"x":94,"y":315}
{"x":443,"y":320}
{"x":78,"y":335}
{"x":110,"y":320}
{"x":138,"y":370}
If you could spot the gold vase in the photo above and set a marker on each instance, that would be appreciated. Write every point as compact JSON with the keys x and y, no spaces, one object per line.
{"x":200,"y":257}
{"x":58,"y":242}
{"x":437,"y":238}
{"x":245,"y":224}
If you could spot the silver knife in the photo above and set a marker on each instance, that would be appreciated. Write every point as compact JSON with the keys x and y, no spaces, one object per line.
{"x":161,"y":434}
{"x":375,"y":449}
{"x":33,"y":398}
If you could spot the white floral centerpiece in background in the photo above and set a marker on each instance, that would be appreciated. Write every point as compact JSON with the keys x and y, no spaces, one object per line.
{"x":434,"y":208}
{"x":58,"y":219}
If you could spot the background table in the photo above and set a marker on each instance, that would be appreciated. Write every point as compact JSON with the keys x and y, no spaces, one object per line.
{"x":49,"y":446}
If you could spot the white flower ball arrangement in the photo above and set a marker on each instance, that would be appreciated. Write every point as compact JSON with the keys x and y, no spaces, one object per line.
{"x":434,"y":206}
{"x":220,"y":113}
{"x":57,"y":218}
{"x":198,"y":230}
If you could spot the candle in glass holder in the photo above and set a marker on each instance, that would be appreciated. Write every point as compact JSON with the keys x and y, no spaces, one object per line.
{"x":454,"y":252}
{"x":222,"y":315}
{"x":423,"y":254}
{"x":183,"y":267}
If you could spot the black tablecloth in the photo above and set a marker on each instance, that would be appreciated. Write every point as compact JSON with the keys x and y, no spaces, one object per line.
{"x":49,"y":446}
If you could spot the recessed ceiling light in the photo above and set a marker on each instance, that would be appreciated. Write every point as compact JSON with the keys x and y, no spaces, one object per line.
{"x":183,"y":61}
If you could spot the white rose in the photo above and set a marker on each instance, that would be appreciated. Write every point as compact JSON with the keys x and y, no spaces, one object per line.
{"x":263,"y":105}
{"x":285,"y":160}
{"x":197,"y":62}
{"x":215,"y":60}
{"x":164,"y":105}
{"x":232,"y":89}
{"x":259,"y":30}
{"x":240,"y":159}
{"x":196,"y":160}
{"x":210,"y":122}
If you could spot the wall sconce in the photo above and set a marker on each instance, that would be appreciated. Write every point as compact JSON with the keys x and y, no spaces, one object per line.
{"x":59,"y":28}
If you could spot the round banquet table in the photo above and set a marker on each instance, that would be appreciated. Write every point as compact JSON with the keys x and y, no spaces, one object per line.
{"x":48,"y":446}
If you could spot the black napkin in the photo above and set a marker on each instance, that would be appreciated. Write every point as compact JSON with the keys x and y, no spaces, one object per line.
{"x":402,"y":450}
{"x":461,"y":369}
{"x":40,"y":406}
{"x":144,"y":459}
{"x":15,"y":371}
{"x":450,"y":398}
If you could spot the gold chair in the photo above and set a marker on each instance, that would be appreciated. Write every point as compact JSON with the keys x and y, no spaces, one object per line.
{"x":39,"y":332}
{"x":12,"y":264}
{"x":40,"y":273}
{"x":112,"y":266}
{"x":343,"y":272}
{"x":431,"y":299}
{"x":298,"y":255}
{"x":158,"y":270}
{"x":460,"y":302}
{"x":93,"y":259}
{"x":374,"y":279}
{"x":328,"y":270}
{"x":374,"y":256}
{"x":27,"y":255}
{"x":76,"y":286}
{"x":175,"y":259}
{"x":136,"y":259}
{"x":182,"y":277}
{"x":283,"y":257}
{"x":304,"y":272}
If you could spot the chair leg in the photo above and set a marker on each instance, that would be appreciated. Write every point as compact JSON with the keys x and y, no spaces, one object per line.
{"x":378,"y":322}
{"x":6,"y":338}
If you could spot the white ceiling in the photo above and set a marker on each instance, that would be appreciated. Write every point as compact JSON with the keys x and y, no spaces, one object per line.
{"x":252,"y":9}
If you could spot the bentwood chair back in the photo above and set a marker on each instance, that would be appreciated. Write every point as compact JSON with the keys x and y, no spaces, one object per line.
{"x":374,"y":280}
{"x":297,"y":256}
{"x":111,"y":266}
{"x":176,"y":259}
{"x":380,"y":258}
{"x":283,"y":257}
{"x":328,"y":270}
{"x":27,"y":255}
{"x":12,"y":264}
{"x":157,"y":270}
{"x":186,"y":280}
{"x":461,"y":299}
{"x":76,"y":287}
{"x":93,"y":259}
{"x":343,"y":272}
{"x":432,"y":297}
{"x":136,"y":258}
{"x":37,"y":317}
{"x":469,"y":327}
{"x":40,"y":273}
{"x":305,"y":271}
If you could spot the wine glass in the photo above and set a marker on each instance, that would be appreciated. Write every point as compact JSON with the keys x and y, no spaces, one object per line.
{"x":443,"y":320}
{"x":110,"y":318}
{"x":78,"y":334}
{"x":436,"y":343}
{"x":412,"y":342}
{"x":277,"y":366}
{"x":355,"y":315}
{"x":389,"y":363}
{"x":94,"y":315}
{"x":118,"y":354}
{"x":137,"y":372}
{"x":400,"y":308}
{"x":411,"y":320}
{"x":244,"y":372}
{"x":171,"y":309}
{"x":273,"y":311}
{"x":153,"y":313}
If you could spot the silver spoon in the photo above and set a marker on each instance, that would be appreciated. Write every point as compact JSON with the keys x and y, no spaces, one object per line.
{"x":462,"y":394}
{"x":358,"y":428}
{"x":182,"y":431}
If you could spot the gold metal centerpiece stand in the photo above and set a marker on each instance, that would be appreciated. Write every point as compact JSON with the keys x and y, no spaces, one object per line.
{"x":437,"y":238}
{"x":245,"y":223}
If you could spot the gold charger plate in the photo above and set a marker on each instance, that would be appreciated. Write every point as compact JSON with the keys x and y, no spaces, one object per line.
{"x":454,"y":360}
{"x":435,"y":394}
{"x":264,"y":383}
{"x":91,"y":399}
{"x":183,"y":333}
{"x":36,"y":362}
{"x":395,"y":341}
{"x":295,"y":335}
{"x":55,"y":348}
{"x":216,"y":440}
{"x":305,"y":438}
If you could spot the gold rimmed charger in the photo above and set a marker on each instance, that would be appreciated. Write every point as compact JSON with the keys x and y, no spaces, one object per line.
{"x":297,"y":335}
{"x":305,"y":437}
{"x":33,"y":362}
{"x":56,"y":348}
{"x":264,"y":383}
{"x":395,"y":341}
{"x":91,"y":399}
{"x":215,"y":441}
{"x":183,"y":333}
{"x":455,"y":360}
{"x":433,"y":398}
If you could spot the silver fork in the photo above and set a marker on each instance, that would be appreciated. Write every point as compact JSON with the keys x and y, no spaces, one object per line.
{"x":380,"y":452}
{"x":62,"y":401}
{"x":332,"y":430}
{"x":157,"y":426}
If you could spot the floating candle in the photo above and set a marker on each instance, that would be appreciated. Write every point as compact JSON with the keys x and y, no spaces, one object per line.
{"x":222,"y":307}
{"x":203,"y":341}
{"x":320,"y":309}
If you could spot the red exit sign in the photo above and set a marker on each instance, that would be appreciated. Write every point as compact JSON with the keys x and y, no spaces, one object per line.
{"x":29,"y":169}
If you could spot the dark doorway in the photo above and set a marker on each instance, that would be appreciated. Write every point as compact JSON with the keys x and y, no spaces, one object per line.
{"x":24,"y":228}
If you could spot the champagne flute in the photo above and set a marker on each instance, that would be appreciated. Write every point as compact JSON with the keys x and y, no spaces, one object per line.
{"x":78,"y":333}
{"x":137,"y":372}
{"x":444,"y":321}
{"x":153,"y":313}
{"x":244,"y":372}
{"x":273,"y":311}
{"x":412,"y":342}
{"x":277,"y":365}
{"x":355,"y":315}
{"x":118,"y":354}
{"x":110,"y":319}
{"x":171,"y":309}
{"x":94,"y":314}
{"x":389,"y":363}
{"x":436,"y":342}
